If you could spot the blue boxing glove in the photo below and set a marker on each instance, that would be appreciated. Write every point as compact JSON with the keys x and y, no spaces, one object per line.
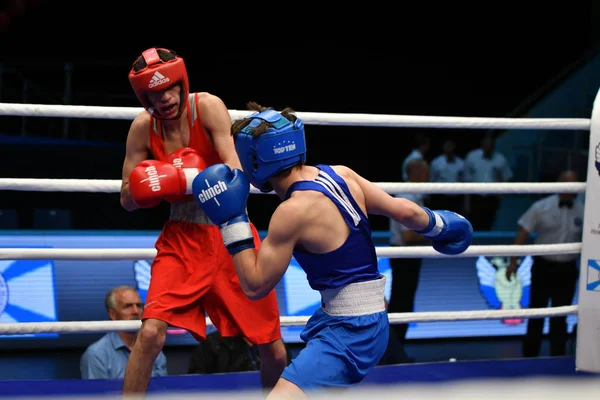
{"x":450,"y":233}
{"x":222,"y":194}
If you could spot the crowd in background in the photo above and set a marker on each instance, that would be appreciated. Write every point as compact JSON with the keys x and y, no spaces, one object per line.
{"x":482,"y":164}
{"x":557,"y":218}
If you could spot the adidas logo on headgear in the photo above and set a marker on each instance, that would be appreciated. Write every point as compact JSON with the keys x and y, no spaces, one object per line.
{"x":158,"y":79}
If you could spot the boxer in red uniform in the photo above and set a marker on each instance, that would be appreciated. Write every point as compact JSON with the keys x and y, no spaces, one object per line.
{"x":179,"y":135}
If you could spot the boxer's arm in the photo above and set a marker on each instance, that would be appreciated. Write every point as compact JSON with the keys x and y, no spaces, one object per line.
{"x":217,"y":121}
{"x":401,"y":210}
{"x":259,"y":272}
{"x":137,"y":149}
{"x":449,"y":232}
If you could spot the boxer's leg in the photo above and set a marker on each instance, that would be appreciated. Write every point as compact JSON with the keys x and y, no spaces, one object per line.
{"x":149,"y":343}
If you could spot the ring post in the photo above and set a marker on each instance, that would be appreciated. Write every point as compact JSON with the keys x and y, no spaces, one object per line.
{"x":588,"y":322}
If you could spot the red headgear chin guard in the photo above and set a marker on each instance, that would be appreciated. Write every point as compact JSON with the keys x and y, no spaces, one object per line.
{"x":157,"y":76}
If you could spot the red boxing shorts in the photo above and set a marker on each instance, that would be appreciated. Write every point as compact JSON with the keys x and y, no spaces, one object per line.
{"x":193,"y":274}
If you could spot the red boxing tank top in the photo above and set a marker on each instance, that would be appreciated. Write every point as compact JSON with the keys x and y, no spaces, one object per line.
{"x":199,"y":139}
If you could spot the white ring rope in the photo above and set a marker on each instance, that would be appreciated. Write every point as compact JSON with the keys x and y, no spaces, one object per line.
{"x":114,"y":186}
{"x":313,"y":118}
{"x":309,"y":118}
{"x":392,"y":252}
{"x":395,"y":318}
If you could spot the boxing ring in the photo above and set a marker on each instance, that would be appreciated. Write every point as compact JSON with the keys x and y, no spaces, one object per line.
{"x":559,"y":376}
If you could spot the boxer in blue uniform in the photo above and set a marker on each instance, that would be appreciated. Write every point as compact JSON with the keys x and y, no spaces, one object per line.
{"x":322,"y":222}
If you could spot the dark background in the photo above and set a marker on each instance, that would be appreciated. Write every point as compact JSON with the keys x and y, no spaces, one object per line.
{"x":489,"y":61}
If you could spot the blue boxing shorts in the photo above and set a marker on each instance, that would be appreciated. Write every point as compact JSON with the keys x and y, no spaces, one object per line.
{"x":340,"y":349}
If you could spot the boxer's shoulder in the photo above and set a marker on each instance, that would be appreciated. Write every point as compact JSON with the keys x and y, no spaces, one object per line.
{"x":299,"y":206}
{"x":346,"y":173}
{"x":204,"y":97}
{"x":208,"y":102}
{"x":143,"y":118}
{"x":139,"y":132}
{"x":141,"y":121}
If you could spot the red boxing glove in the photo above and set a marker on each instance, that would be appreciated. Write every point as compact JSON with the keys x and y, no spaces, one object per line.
{"x":191,"y":164}
{"x":151,"y":181}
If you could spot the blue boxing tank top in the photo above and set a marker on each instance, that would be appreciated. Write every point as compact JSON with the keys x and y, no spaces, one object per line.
{"x":353,"y":261}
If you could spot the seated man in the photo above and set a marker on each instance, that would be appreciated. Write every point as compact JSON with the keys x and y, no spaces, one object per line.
{"x":107,"y":357}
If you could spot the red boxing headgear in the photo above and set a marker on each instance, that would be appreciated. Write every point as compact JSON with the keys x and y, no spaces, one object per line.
{"x":157,"y":75}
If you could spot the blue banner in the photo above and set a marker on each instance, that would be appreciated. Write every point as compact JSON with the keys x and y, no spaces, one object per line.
{"x":69,"y":290}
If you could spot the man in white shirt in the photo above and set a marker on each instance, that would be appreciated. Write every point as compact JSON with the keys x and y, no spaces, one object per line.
{"x":406,"y":271}
{"x":422,"y":144}
{"x":446,"y":168}
{"x":485,"y":165}
{"x":556,"y":219}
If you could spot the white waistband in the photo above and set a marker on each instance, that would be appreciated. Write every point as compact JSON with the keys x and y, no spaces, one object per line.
{"x":359,"y":298}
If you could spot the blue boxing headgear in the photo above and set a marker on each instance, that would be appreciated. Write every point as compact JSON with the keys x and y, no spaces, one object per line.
{"x":278,"y":149}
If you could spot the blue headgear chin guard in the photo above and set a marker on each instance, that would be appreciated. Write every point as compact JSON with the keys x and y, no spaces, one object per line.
{"x":276,"y":150}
